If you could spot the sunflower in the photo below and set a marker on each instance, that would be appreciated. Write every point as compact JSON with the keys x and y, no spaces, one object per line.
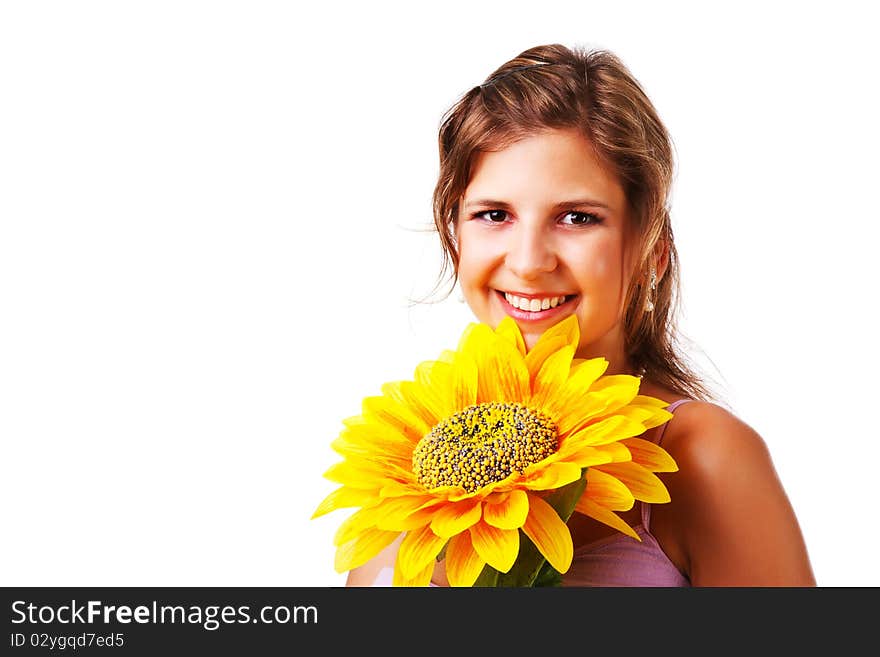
{"x":468,"y":455}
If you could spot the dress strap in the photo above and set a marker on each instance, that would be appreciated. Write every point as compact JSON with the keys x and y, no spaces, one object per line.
{"x":646,"y":508}
{"x":671,"y":408}
{"x":678,"y":402}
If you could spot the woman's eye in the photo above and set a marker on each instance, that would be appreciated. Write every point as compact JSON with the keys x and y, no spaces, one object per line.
{"x":570,"y":218}
{"x":580,"y":218}
{"x":494,"y":216}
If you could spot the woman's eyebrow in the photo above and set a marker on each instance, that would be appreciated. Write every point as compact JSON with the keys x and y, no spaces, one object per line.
{"x":483,"y":202}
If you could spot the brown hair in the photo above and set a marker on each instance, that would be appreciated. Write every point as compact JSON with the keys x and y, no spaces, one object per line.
{"x":555,"y":87}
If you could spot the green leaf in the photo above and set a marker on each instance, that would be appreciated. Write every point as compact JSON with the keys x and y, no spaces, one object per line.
{"x":488,"y":577}
{"x":548,"y":576}
{"x":530,"y":563}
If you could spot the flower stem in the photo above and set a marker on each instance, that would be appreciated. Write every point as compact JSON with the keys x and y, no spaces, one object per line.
{"x":530,"y":562}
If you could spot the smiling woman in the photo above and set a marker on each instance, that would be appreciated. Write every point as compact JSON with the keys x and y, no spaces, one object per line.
{"x":552,"y":204}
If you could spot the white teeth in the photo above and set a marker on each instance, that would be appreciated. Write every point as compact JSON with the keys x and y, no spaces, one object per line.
{"x":533,"y":305}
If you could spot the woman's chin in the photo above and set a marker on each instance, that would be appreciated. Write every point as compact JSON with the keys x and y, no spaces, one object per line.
{"x":531,"y":339}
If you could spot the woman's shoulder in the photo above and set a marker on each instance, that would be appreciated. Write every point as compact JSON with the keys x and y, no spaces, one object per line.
{"x":724,"y":468}
{"x":708,"y":437}
{"x":705,"y":432}
{"x":729,"y":520}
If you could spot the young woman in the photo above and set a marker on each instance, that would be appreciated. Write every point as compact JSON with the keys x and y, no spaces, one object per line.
{"x":552,"y":200}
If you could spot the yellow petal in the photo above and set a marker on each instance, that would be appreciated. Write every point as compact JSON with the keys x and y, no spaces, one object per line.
{"x":455,"y":517}
{"x":598,"y":512}
{"x":549,"y":534}
{"x":497,"y":547}
{"x":349,"y":474}
{"x":587,"y":456}
{"x":658,"y":415}
{"x":365,"y":431}
{"x":509,"y":512}
{"x":348,"y":444}
{"x":396,"y":415}
{"x":447,"y":356}
{"x":433,"y":372}
{"x":364,"y":473}
{"x":422,"y":400}
{"x":650,"y":456}
{"x":452,"y":493}
{"x":552,"y":376}
{"x":344,"y":497}
{"x":395,"y":488}
{"x":361,"y":549}
{"x":418,"y":549}
{"x":573,"y":405}
{"x":609,"y":430}
{"x":539,"y":354}
{"x":567,"y":329}
{"x":561,"y":334}
{"x":616,"y":390}
{"x":417,"y":401}
{"x":436,"y":380}
{"x":606,"y":394}
{"x":647,"y":400}
{"x":583,"y":378}
{"x":356,"y":523}
{"x":420,"y":518}
{"x":421,"y":578}
{"x":464,"y":382}
{"x":617,"y":451}
{"x":501,"y":370}
{"x":609,"y":491}
{"x":393,"y":513}
{"x":644,"y":484}
{"x":464,"y":340}
{"x":586,"y":373}
{"x":647,"y":416}
{"x":554,"y":475}
{"x":463,"y":564}
{"x":508,"y":330}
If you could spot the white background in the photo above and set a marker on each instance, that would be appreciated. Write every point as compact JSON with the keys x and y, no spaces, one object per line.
{"x":210,"y":218}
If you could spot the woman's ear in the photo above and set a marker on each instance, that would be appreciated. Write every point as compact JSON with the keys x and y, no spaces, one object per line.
{"x":661,"y":257}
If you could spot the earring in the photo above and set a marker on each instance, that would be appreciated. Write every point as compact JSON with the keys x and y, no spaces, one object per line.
{"x":649,"y":304}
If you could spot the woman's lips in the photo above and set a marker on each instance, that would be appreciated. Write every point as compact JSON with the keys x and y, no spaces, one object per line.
{"x":536,"y":315}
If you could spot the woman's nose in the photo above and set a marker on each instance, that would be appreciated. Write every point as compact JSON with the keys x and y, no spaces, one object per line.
{"x":530,"y":252}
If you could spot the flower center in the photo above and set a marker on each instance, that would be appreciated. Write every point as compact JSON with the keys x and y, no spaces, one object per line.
{"x":483,"y":444}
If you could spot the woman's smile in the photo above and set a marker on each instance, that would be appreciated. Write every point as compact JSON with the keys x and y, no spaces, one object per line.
{"x":536,"y":307}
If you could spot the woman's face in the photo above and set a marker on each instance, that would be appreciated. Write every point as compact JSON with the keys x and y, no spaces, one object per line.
{"x":541,"y":235}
